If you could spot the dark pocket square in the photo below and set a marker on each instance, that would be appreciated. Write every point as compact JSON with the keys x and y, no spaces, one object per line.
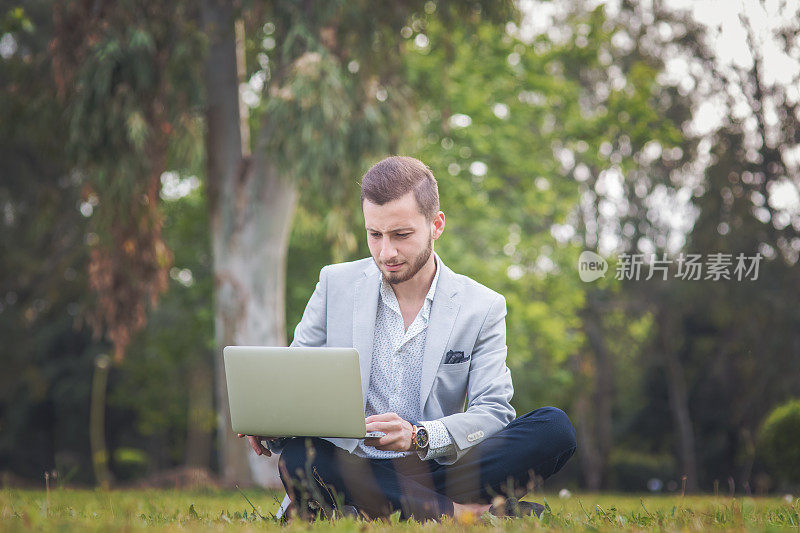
{"x":454,"y":357}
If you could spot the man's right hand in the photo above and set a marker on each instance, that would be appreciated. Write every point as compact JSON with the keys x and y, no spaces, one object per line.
{"x":255,"y":443}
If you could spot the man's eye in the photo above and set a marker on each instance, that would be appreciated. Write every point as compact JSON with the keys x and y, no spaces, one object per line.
{"x":403,"y":235}
{"x":375,"y":234}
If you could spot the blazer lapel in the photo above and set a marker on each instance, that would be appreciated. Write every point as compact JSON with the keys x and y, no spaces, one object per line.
{"x":365,"y":309}
{"x":440,"y":325}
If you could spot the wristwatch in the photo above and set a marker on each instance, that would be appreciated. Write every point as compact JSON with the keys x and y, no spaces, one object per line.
{"x":419,"y":438}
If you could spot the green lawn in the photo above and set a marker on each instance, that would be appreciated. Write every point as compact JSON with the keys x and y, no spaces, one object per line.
{"x":80,"y":510}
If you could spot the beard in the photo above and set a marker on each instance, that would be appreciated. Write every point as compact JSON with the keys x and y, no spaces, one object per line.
{"x":411,"y":267}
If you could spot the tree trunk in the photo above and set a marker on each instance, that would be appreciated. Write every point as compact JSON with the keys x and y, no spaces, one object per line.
{"x":679,"y":403}
{"x":201,"y":409}
{"x":603,"y":396}
{"x":589,"y":454}
{"x":97,"y":421}
{"x":251,"y":210}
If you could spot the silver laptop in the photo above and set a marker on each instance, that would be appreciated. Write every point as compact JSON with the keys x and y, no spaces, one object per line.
{"x":295,"y":392}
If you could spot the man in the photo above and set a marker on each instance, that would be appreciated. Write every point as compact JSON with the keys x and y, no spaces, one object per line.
{"x":432,"y":347}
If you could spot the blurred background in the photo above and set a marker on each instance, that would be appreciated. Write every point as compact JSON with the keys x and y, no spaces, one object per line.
{"x":173,"y":175}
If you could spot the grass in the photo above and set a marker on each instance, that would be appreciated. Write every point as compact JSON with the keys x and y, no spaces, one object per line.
{"x":165,"y":510}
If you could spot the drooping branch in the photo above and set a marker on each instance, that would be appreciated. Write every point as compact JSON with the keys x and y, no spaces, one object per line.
{"x":115,"y":66}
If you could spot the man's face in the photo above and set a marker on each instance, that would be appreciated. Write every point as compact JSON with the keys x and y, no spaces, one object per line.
{"x":400,"y":238}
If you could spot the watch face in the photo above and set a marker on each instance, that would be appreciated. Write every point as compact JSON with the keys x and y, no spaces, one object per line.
{"x":422,"y":438}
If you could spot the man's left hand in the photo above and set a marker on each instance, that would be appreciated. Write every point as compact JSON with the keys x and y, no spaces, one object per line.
{"x":398,"y":432}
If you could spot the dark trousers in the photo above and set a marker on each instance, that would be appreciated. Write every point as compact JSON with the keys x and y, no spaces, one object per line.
{"x":533,"y":446}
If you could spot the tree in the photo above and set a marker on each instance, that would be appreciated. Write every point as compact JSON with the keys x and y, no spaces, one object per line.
{"x":124,"y":73}
{"x":167,"y":389}
{"x":703,"y":340}
{"x":46,"y":355}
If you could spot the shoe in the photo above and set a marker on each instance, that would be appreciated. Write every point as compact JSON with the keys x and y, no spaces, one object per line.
{"x":350,"y":511}
{"x":513,"y":508}
{"x":311,"y":511}
{"x":320,"y":510}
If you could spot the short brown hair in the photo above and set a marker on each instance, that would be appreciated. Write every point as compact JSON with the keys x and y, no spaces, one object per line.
{"x":394,"y":177}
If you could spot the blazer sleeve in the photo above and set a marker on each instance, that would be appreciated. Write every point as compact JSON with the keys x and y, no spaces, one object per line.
{"x":489,"y":389}
{"x":312,"y":329}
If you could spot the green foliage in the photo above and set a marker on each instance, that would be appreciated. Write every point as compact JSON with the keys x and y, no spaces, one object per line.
{"x":128,"y":80}
{"x":630,"y":470}
{"x":129,"y":463}
{"x":153,"y":385}
{"x":325,"y":117}
{"x":15,"y":20}
{"x":134,"y":82}
{"x":778,"y":441}
{"x":46,"y":352}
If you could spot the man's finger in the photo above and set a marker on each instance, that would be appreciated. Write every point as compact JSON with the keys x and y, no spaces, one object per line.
{"x":382,"y":417}
{"x":264,"y":447}
{"x":265,"y":451}
{"x":257,"y":446}
{"x":390,"y":439}
{"x":386,"y":427}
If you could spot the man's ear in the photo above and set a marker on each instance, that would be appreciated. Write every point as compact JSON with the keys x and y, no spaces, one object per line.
{"x":438,"y":225}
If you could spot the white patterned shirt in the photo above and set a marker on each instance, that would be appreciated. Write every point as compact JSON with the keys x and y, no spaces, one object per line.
{"x":396,"y":371}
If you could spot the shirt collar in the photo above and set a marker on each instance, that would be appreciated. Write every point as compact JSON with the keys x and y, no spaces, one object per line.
{"x":432,"y":290}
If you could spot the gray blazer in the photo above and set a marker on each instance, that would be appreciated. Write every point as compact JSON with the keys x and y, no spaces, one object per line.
{"x":472,"y":397}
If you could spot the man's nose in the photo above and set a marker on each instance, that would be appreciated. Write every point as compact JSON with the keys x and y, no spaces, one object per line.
{"x":387,"y":249}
